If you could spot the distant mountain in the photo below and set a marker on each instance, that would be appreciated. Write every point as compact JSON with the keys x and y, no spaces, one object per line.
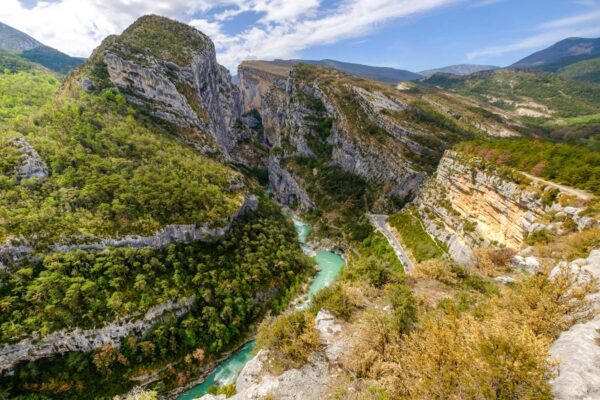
{"x":382,"y":74}
{"x":17,"y":42}
{"x":560,"y":55}
{"x":459,"y":69}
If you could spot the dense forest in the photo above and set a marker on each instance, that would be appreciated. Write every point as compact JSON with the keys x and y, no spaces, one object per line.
{"x":131,"y":175}
{"x":259,"y":259}
{"x":24,"y":90}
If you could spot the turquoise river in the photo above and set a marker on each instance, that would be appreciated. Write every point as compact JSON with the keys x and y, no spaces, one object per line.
{"x":330,"y":264}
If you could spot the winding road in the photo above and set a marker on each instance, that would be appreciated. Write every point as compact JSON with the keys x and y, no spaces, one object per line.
{"x":380,"y":223}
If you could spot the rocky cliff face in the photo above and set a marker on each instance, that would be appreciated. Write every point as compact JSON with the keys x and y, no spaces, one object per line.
{"x":289,"y":103}
{"x":183,"y":85}
{"x":577,"y":350}
{"x":468,"y":204}
{"x":64,"y":341}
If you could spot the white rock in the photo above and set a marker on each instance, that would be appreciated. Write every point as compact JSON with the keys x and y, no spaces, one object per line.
{"x":330,"y":334}
{"x":577,"y":351}
{"x":505,"y":279}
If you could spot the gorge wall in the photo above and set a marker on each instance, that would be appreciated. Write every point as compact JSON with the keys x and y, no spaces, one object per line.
{"x":469,"y":204}
{"x":289,"y":104}
{"x":183,"y":85}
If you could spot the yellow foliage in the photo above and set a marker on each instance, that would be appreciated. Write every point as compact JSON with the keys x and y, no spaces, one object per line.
{"x":492,"y":262}
{"x":497,"y":350}
{"x":289,"y":338}
{"x":437,"y":269}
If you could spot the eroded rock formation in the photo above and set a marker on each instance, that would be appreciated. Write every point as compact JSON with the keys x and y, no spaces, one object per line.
{"x":468,"y":206}
{"x":85,"y":340}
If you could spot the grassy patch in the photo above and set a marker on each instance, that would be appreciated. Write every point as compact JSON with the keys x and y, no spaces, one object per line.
{"x":422,"y":246}
{"x":585,"y":119}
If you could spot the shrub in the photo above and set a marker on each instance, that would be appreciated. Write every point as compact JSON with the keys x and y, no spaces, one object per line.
{"x":493,"y":262}
{"x":334,"y":299}
{"x":404,"y":314}
{"x":375,"y":271}
{"x":289,"y":338}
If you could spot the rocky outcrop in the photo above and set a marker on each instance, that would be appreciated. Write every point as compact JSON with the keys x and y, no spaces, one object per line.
{"x":198,"y":96}
{"x":150,"y":85}
{"x":288,"y":104}
{"x":264,"y":87}
{"x":32,"y":165}
{"x":469,"y":203}
{"x":287,"y":189}
{"x":577,"y":350}
{"x":11,"y":255}
{"x":373,"y":164}
{"x":90,"y":339}
{"x":308,"y":382}
{"x":467,"y":206}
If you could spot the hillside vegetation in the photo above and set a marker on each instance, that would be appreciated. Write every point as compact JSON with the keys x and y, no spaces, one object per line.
{"x":259,"y":257}
{"x":565,"y":163}
{"x":24,"y":89}
{"x":112,"y":173}
{"x":585,"y":71}
{"x":543,"y":94}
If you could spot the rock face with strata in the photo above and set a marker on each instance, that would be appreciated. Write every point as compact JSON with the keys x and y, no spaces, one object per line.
{"x":85,"y":340}
{"x":469,"y":203}
{"x":468,"y":206}
{"x":281,"y":99}
{"x":197,"y":96}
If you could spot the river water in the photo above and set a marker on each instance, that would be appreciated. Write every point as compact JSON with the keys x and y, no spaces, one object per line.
{"x":330,"y":264}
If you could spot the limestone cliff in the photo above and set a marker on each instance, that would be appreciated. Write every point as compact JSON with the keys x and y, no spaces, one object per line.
{"x":180,"y":83}
{"x":469,"y":204}
{"x":386,"y":136}
{"x":64,"y":341}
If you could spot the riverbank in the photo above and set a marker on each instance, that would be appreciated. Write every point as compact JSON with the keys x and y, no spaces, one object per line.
{"x":226,"y":371}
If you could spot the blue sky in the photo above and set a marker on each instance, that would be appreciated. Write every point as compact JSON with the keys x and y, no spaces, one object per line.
{"x":408,"y":34}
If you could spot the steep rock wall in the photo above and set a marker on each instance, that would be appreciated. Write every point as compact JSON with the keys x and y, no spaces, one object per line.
{"x":282,"y":102}
{"x":200,"y":97}
{"x":90,"y":339}
{"x":11,"y":255}
{"x":467,"y":206}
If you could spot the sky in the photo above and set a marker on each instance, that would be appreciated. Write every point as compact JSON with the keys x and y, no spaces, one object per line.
{"x":405,"y":34}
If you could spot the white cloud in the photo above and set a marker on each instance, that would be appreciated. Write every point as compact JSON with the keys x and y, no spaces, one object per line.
{"x":283,"y":29}
{"x":351,"y":19}
{"x":485,"y":3}
{"x":582,"y":25}
{"x":575,"y":20}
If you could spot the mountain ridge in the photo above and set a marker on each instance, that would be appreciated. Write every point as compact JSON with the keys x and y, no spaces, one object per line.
{"x":381,"y":74}
{"x":30,"y":49}
{"x":458,"y":69}
{"x":560,"y":54}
